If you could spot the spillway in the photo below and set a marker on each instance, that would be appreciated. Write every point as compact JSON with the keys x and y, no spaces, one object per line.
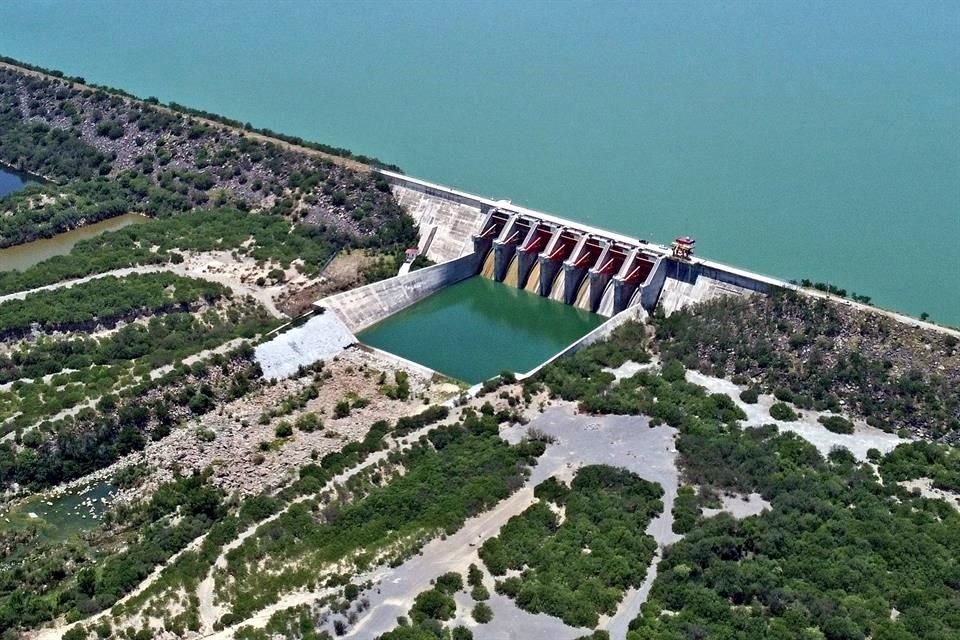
{"x":533,"y":279}
{"x":513,"y":271}
{"x":607,"y":300}
{"x":487,"y":270}
{"x":559,"y":284}
{"x":582,"y":300}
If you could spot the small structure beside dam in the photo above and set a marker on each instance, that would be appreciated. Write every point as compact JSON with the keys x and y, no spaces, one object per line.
{"x":596,"y":271}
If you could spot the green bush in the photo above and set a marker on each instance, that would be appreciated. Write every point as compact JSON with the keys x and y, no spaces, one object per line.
{"x":449,"y":583}
{"x":836,"y":424}
{"x":750,"y":395}
{"x":781,"y":411}
{"x":686,"y":510}
{"x":342,"y":409}
{"x":482,"y":613}
{"x":479,"y":593}
{"x":433,"y":604}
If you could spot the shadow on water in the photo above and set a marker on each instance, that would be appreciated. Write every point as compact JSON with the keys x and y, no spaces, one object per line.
{"x":478,"y":327}
{"x":12,"y":180}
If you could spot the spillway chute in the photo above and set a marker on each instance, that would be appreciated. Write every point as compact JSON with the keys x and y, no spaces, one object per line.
{"x":607,"y":300}
{"x":488,"y":265}
{"x":533,"y":279}
{"x":582,"y":300}
{"x":559,"y":284}
{"x":513,"y":271}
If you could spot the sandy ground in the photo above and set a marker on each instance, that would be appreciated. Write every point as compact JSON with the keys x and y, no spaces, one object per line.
{"x":927,"y":490}
{"x":239,"y":275}
{"x":863,"y":438}
{"x":740,"y":506}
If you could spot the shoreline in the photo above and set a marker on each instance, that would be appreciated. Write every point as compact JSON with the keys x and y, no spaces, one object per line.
{"x":251,"y":133}
{"x":393,"y":173}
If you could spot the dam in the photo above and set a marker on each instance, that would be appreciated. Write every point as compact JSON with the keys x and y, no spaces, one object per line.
{"x":511,"y":289}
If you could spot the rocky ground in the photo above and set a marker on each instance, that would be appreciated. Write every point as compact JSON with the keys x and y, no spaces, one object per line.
{"x":235,"y":451}
{"x":255,"y":169}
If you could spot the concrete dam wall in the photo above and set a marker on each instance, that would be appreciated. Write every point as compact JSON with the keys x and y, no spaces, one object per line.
{"x":365,"y":306}
{"x":607,"y":273}
{"x":592,"y":269}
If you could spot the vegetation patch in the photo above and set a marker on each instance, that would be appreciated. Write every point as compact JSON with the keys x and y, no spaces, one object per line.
{"x":579,"y":568}
{"x":826,"y":356}
{"x":836,"y":424}
{"x":783,"y":412}
{"x":105,"y":301}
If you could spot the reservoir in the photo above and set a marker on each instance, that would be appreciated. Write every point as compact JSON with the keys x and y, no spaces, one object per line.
{"x":812,"y":140}
{"x":26,"y":255}
{"x":477,"y":328}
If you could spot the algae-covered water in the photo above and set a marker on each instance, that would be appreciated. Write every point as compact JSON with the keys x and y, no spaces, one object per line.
{"x":477,"y":328}
{"x":62,"y":517}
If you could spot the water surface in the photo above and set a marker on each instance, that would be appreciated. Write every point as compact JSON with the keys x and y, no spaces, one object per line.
{"x":812,"y":139}
{"x":477,"y":328}
{"x":11,"y":181}
{"x":26,"y":255}
{"x":60,"y":518}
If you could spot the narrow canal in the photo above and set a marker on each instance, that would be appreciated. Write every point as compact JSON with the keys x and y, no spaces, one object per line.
{"x":477,"y":328}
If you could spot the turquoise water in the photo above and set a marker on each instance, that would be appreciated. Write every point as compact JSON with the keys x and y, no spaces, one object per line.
{"x":508,"y":328}
{"x":802,"y":139}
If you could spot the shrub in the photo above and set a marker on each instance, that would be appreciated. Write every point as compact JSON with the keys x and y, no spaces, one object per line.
{"x":342,"y":409}
{"x":750,"y":396}
{"x":781,"y":411}
{"x":433,"y":604}
{"x":309,"y":422}
{"x":673,"y":371}
{"x":479,"y":593}
{"x":685,"y":510}
{"x":474,"y":575}
{"x":836,"y":424}
{"x":283,"y":429}
{"x":450,"y":582}
{"x":482,"y":613}
{"x":461,"y":633}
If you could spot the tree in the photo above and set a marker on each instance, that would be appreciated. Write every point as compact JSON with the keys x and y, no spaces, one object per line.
{"x":482,"y":613}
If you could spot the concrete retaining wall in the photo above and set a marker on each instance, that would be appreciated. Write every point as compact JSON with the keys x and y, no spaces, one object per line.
{"x":438,"y":191}
{"x":602,"y":332}
{"x":363,"y":307}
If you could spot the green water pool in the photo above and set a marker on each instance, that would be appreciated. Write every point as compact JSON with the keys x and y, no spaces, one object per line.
{"x":477,"y":328}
